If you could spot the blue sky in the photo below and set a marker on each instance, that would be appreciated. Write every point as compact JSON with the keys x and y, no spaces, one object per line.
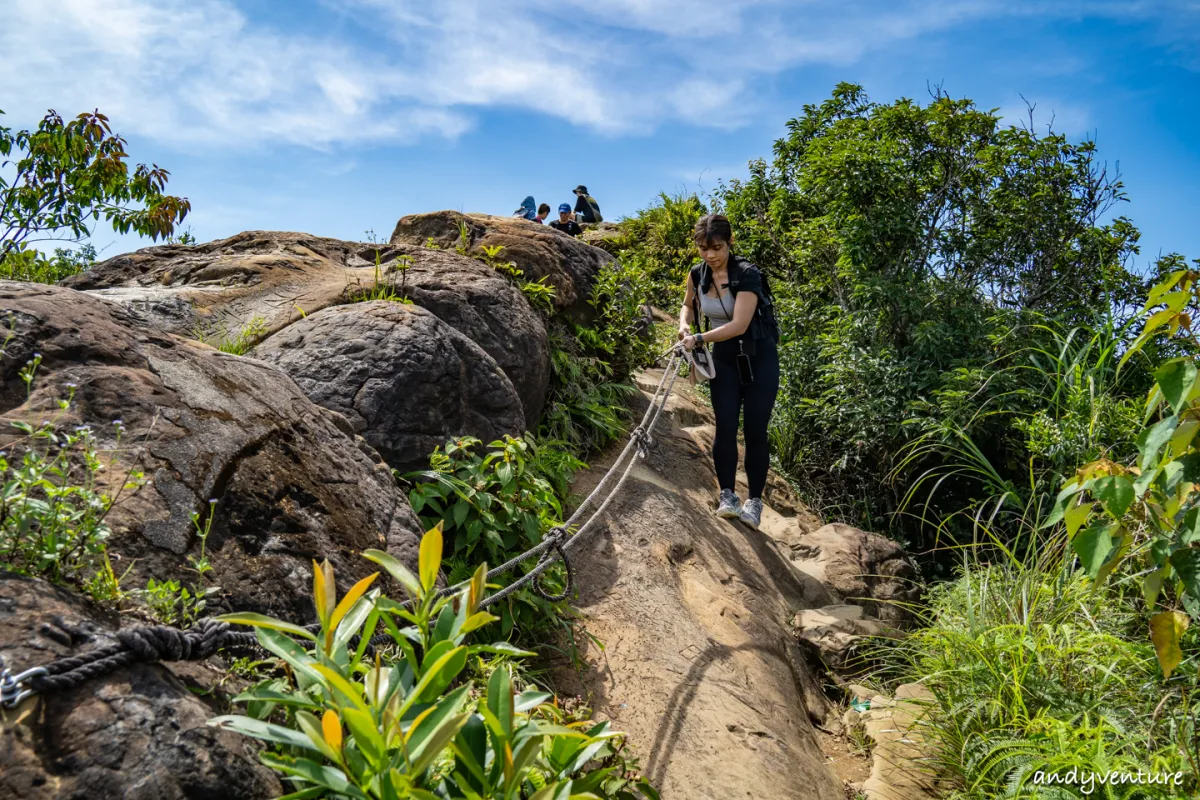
{"x":339,"y":116}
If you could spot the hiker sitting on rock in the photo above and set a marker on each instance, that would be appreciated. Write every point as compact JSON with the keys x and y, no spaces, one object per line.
{"x":543,"y":212}
{"x":564,"y":222}
{"x":586,"y":207}
{"x":526,"y":211}
{"x":733,"y":296}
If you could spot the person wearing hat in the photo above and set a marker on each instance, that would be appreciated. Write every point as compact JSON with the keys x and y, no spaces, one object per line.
{"x":586,"y":207}
{"x":564,"y":222}
{"x":527,"y":210}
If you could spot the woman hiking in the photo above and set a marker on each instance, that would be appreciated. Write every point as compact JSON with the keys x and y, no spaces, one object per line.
{"x":732,"y":295}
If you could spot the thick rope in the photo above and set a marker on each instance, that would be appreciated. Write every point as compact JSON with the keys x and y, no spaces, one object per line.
{"x":153,"y":643}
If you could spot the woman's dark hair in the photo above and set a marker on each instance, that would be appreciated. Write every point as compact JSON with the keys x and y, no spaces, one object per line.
{"x":712,"y":228}
{"x":544,"y":208}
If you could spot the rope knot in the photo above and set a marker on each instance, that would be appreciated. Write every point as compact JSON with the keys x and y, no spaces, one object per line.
{"x":644,"y":441}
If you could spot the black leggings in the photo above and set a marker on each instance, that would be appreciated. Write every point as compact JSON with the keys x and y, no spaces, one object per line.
{"x":729,"y":397}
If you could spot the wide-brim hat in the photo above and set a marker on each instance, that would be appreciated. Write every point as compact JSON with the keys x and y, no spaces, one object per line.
{"x":581,"y":189}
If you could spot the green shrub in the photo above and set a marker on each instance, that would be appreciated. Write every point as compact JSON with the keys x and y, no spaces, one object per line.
{"x":494,"y":499}
{"x":418,"y":726}
{"x":27,"y":264}
{"x":52,"y":506}
{"x":1034,"y":670}
{"x":239,"y":343}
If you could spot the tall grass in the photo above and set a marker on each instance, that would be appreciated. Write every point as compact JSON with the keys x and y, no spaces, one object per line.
{"x":1035,"y":669}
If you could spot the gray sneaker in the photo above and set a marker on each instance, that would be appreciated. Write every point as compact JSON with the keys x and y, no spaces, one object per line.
{"x":751,"y":512}
{"x":730,"y":506}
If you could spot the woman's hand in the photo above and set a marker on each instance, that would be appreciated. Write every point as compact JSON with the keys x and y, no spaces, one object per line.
{"x":684,"y":331}
{"x":689,"y":342}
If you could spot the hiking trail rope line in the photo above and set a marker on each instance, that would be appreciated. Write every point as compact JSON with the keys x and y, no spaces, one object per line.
{"x":153,"y":643}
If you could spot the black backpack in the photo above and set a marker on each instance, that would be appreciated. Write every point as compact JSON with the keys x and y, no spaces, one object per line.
{"x":765,"y":324}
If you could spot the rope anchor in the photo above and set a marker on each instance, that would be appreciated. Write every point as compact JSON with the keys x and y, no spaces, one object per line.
{"x":12,"y":693}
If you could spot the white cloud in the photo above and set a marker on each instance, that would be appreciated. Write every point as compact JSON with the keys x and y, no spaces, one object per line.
{"x":203,"y":72}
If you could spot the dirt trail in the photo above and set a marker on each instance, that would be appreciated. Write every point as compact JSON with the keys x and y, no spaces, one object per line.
{"x":699,"y":664}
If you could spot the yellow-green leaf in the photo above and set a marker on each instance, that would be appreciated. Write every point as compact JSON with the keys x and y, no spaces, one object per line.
{"x":320,"y":595}
{"x":1076,"y":516}
{"x":343,"y":686}
{"x":263,"y":621}
{"x":1183,"y":436}
{"x":477,"y":621}
{"x":331,"y":729}
{"x":1166,"y":630}
{"x":401,"y":573}
{"x":356,"y":591}
{"x":478,"y":586}
{"x":1152,"y":584}
{"x":430,"y":560}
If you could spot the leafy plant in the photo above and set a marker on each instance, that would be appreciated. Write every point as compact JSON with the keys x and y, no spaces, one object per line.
{"x":496,"y":499}
{"x":418,"y":726}
{"x":173,"y":604}
{"x":27,"y":264}
{"x":240,"y":343}
{"x":383,"y":287}
{"x":65,"y":175}
{"x":1148,"y":513}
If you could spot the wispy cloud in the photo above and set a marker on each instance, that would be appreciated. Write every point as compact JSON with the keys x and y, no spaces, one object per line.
{"x":204,"y":72}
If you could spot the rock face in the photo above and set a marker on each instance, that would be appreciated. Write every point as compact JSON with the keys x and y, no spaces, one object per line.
{"x":291,"y":485}
{"x":136,"y":734}
{"x":567,"y":264}
{"x":265,"y":281}
{"x":863,"y":568}
{"x":834,"y":632}
{"x":403,"y":378}
{"x":219,"y":287}
{"x":699,"y":665}
{"x":487,"y":308}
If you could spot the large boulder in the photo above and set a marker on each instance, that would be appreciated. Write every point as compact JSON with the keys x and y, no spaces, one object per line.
{"x":567,"y":264}
{"x":862,"y":568}
{"x":259,"y":282}
{"x":484,"y":305}
{"x":290,"y":484}
{"x":138,"y":733}
{"x":405,"y":379}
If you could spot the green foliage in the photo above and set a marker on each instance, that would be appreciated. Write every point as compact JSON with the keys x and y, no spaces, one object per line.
{"x":66,"y":175}
{"x":383,"y":285}
{"x":586,"y":407}
{"x":656,"y":245}
{"x":496,"y":499}
{"x":417,"y":725}
{"x":172,"y":604}
{"x":1034,"y":670}
{"x":27,"y":264}
{"x":1145,"y":516}
{"x":238,"y":344}
{"x":53,"y":506}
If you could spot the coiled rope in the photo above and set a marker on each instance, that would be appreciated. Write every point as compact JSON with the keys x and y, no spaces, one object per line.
{"x":153,"y":643}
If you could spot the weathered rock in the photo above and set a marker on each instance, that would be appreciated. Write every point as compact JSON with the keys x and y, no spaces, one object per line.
{"x":699,"y":666}
{"x":219,"y":287}
{"x":902,"y":763}
{"x":835,"y":632}
{"x":863,"y":568}
{"x":567,"y":264}
{"x":135,"y":734}
{"x":273,"y":279}
{"x":404,"y":379}
{"x":203,"y":424}
{"x":479,"y":302}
